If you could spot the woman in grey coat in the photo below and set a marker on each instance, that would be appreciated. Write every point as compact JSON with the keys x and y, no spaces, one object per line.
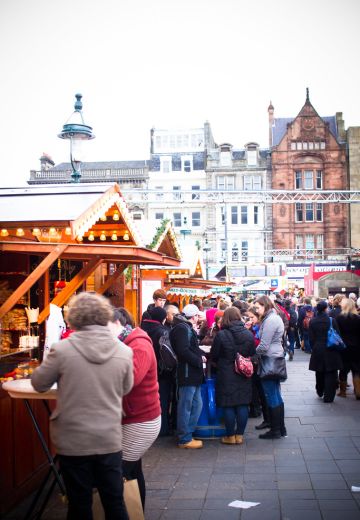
{"x":271,"y":333}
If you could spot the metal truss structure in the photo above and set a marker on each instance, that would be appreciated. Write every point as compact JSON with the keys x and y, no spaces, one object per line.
{"x":140,"y":196}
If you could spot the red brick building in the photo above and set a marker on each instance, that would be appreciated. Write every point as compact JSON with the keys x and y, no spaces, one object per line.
{"x":309,"y":153}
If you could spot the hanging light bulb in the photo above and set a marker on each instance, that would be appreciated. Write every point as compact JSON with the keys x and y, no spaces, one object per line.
{"x":116,"y":215}
{"x":103,"y":217}
{"x":36,"y":232}
{"x":20,"y":232}
{"x":103,"y":236}
{"x":4,"y":233}
{"x":68,"y":231}
{"x":52,"y":231}
{"x":79,"y":238}
{"x":126,"y":236}
{"x":114,"y":235}
{"x":91,"y":237}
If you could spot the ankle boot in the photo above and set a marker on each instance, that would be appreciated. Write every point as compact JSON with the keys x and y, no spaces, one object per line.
{"x":239,"y":439}
{"x":342,"y":391}
{"x":282,"y":421}
{"x":262,"y":426}
{"x":274,"y":432}
{"x":356,"y":383}
{"x":229,"y":439}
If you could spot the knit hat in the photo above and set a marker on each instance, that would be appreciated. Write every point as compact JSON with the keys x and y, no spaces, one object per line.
{"x":158,"y":314}
{"x":190,"y":310}
{"x":219,"y":314}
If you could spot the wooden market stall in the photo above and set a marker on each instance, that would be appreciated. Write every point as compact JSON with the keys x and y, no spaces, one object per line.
{"x":54,"y":241}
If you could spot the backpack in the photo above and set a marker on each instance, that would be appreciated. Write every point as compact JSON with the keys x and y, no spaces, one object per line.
{"x":308,"y":316}
{"x":293,"y":319}
{"x":167,"y":357}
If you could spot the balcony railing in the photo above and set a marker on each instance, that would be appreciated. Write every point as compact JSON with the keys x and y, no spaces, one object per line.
{"x":123,"y":174}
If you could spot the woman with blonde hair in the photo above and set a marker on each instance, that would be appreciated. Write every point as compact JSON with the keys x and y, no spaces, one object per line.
{"x":270,"y":346}
{"x":349,"y":326}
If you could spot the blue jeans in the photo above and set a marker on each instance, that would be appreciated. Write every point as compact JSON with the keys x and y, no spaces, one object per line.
{"x":307,"y":346}
{"x":291,"y":338}
{"x":238,"y":414}
{"x":272,"y":392}
{"x":188,"y":412}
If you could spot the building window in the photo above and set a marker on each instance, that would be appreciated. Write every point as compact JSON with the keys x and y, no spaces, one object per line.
{"x":244,"y":250}
{"x":309,"y":212}
{"x":234,"y":253}
{"x":308,"y":180}
{"x":223,"y":215}
{"x":298,"y":212}
{"x":309,"y":242}
{"x":159,"y":216}
{"x":319,"y":180}
{"x":230,"y":182}
{"x":257,"y":182}
{"x":177,"y":219}
{"x":252,"y":182}
{"x":195,"y":196}
{"x":252,"y":157}
{"x":320,"y":242}
{"x":248,"y":183}
{"x":256,"y":215}
{"x":220,"y":181}
{"x":159,"y":192}
{"x":195,"y":218}
{"x":299,"y":242}
{"x":234,"y":214}
{"x":298,"y":180}
{"x":244,"y":215}
{"x":165,"y":164}
{"x":137,"y":216}
{"x":225,"y":159}
{"x":225,"y":182}
{"x":319,"y":212}
{"x":176,"y":192}
{"x":186,"y":164}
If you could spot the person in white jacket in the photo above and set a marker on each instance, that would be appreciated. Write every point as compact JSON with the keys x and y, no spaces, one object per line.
{"x":92,"y":371}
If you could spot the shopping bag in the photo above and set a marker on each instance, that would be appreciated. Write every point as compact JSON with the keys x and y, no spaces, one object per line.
{"x":132,"y":500}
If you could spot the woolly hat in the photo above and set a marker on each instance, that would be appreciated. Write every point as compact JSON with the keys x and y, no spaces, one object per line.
{"x":190,"y":310}
{"x":219,"y":314}
{"x":158,"y":314}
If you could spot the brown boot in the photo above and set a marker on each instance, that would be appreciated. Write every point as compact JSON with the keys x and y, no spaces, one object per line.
{"x":192,"y":445}
{"x":239,"y":439}
{"x":342,"y":391}
{"x":230,"y":439}
{"x":356,"y":383}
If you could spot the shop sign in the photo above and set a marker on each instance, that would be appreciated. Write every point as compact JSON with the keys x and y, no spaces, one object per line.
{"x":274,"y":283}
{"x":329,"y":268}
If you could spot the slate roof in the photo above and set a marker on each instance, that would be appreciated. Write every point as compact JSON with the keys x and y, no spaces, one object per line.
{"x":280,"y":126}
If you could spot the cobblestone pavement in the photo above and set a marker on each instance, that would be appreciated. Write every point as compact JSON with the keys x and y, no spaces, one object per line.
{"x":307,"y":475}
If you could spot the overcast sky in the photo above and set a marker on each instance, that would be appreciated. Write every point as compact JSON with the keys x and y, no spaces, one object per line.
{"x":166,"y":64}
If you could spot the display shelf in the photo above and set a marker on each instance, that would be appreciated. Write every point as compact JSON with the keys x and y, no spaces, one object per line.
{"x":17,"y":351}
{"x":13,"y":330}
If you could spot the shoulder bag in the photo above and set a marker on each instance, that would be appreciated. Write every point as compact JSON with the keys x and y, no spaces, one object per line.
{"x":334,"y":341}
{"x":272,"y":368}
{"x":242,"y":365}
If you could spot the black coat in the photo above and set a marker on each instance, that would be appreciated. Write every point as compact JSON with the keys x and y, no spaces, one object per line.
{"x":155,"y":330}
{"x":323,"y":359}
{"x":232,"y":389}
{"x":185,"y":343}
{"x":349,"y":327}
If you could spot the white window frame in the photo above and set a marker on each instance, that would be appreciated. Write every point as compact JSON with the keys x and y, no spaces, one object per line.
{"x":195,"y":196}
{"x":159,"y":216}
{"x":309,"y":207}
{"x":256,"y":215}
{"x":159,"y":192}
{"x":195,"y":221}
{"x":176,"y":192}
{"x":308,"y":180}
{"x":244,"y":215}
{"x":319,"y":212}
{"x":252,"y":157}
{"x":234,"y":215}
{"x":309,"y":239}
{"x":166,"y":164}
{"x":184,"y":160}
{"x":177,"y":219}
{"x":299,"y":207}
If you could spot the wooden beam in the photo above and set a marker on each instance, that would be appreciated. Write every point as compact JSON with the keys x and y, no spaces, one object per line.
{"x":32,"y":278}
{"x":71,"y":287}
{"x":111,"y":279}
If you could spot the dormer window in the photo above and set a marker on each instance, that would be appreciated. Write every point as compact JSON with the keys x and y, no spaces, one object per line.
{"x":225,"y":155}
{"x":252,"y":154}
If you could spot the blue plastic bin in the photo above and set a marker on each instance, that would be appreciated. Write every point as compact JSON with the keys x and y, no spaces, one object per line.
{"x":210,"y":424}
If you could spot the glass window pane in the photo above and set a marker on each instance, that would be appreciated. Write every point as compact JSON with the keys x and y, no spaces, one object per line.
{"x":230,"y":182}
{"x":159,"y":216}
{"x":234,"y":214}
{"x":309,"y":208}
{"x":309,"y":241}
{"x":195,"y":218}
{"x":257,"y":182}
{"x":319,"y":212}
{"x":220,"y":182}
{"x":298,"y":180}
{"x":248,"y":185}
{"x":256,"y":214}
{"x":298,"y":212}
{"x":308,"y":180}
{"x":244,"y":215}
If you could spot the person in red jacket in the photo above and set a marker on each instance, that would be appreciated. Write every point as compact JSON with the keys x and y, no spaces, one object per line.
{"x":141,"y":407}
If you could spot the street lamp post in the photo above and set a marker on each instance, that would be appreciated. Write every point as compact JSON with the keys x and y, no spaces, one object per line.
{"x":77,"y":132}
{"x":206,"y":248}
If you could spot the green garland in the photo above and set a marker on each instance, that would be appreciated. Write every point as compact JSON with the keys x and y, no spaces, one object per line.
{"x":159,"y":231}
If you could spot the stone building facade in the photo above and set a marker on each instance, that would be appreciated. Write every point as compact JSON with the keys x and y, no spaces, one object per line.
{"x":308,"y":152}
{"x":353,"y":142}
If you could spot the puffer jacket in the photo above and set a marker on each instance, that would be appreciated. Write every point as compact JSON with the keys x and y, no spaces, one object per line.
{"x":232,"y":389}
{"x":185,"y":343}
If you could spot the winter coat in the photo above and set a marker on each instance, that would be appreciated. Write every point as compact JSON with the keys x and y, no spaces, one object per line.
{"x":349,"y":328}
{"x":335,"y":311}
{"x":142,"y":404}
{"x":146,"y":314}
{"x":155,"y":330}
{"x":93,"y":371}
{"x":271,"y":334}
{"x":185,"y":343}
{"x":322,"y":358}
{"x":232,"y":389}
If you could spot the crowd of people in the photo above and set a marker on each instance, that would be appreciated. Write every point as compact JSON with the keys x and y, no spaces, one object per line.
{"x":117,"y":391}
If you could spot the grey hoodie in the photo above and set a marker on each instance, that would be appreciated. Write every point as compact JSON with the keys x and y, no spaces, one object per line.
{"x":271,"y":333}
{"x":93,"y":371}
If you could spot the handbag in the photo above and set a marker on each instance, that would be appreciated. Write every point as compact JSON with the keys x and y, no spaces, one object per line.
{"x":272,"y":368}
{"x":334,"y":340}
{"x":131,"y":498}
{"x":243,"y":366}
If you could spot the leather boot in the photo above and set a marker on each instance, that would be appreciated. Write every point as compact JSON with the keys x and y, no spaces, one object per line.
{"x":239,"y":439}
{"x":274,"y":432}
{"x":342,"y":391}
{"x":229,"y":439}
{"x":282,"y":421}
{"x":356,"y":382}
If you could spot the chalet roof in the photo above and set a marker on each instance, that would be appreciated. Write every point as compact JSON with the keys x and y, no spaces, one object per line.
{"x":279,"y":127}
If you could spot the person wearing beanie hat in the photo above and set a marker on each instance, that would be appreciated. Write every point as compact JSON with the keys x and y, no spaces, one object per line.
{"x":158,"y":314}
{"x":184,"y":341}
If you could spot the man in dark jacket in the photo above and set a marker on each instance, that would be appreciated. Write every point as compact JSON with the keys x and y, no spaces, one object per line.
{"x":159,"y":297}
{"x":189,"y":373}
{"x":155,"y":328}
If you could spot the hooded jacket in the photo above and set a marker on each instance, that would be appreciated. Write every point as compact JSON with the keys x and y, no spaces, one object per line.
{"x":142,"y":404}
{"x":185,"y":343}
{"x":92,"y":371}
